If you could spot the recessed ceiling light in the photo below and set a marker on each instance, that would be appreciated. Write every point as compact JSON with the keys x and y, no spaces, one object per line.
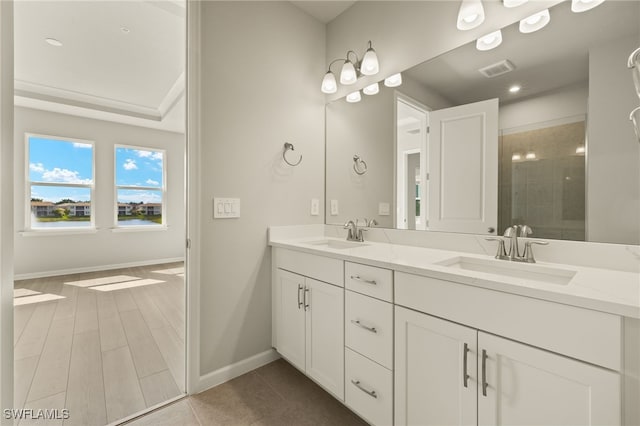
{"x":125,"y":30}
{"x":514,"y":89}
{"x":53,"y":42}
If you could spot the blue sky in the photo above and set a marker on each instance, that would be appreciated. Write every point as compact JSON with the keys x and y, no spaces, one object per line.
{"x":55,"y":161}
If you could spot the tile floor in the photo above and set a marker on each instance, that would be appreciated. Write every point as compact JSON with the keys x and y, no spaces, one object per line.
{"x":104,"y":345}
{"x":275,"y":394}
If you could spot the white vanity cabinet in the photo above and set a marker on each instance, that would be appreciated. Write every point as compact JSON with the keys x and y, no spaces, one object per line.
{"x":448,"y":373}
{"x":309,"y":322}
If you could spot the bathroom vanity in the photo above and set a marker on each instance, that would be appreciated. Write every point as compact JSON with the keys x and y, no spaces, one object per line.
{"x":413,"y":335}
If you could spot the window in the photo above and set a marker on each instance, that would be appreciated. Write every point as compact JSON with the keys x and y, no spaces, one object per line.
{"x":59,"y":183}
{"x":140,"y":187}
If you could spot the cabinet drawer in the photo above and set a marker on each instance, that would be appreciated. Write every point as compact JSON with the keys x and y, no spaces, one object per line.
{"x":368,"y":389}
{"x":369,"y":327}
{"x":321,"y":268}
{"x":591,"y":336}
{"x":369,"y":280}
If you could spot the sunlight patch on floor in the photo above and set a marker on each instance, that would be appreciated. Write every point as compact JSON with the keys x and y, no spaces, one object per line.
{"x":27,"y":300}
{"x":102,"y":281}
{"x":128,"y":284}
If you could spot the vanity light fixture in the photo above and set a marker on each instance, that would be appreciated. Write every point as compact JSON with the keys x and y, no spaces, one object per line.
{"x":578,"y":6}
{"x":394,"y":80}
{"x":489,"y":41}
{"x":514,"y":89}
{"x":53,"y":42}
{"x":535,"y":22}
{"x":513,"y":3}
{"x":470,"y":15}
{"x":516,"y":157}
{"x":351,"y":70}
{"x":530,"y":155}
{"x":371,"y":89}
{"x":354,"y":97}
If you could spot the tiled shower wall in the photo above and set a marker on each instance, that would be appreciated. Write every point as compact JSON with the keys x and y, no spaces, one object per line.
{"x":546,"y":192}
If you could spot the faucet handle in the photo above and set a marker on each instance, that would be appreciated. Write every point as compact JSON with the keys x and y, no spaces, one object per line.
{"x":528,"y":251}
{"x":524,"y":230}
{"x":348,"y":223}
{"x":502,"y":251}
{"x":510,"y":230}
{"x":370,"y":223}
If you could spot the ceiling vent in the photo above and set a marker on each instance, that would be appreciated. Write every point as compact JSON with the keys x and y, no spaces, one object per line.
{"x":497,"y":69}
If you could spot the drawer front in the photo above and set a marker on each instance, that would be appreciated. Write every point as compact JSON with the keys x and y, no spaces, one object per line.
{"x":321,"y":268}
{"x":369,"y":280}
{"x":368,"y":389}
{"x":591,"y":336}
{"x":369,"y":327}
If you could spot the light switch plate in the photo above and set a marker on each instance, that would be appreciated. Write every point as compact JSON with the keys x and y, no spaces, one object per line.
{"x":315,"y":207}
{"x":384,"y":209}
{"x":334,"y":207}
{"x":226,"y":208}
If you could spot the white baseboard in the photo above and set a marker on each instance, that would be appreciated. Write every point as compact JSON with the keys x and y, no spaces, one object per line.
{"x":59,"y":272}
{"x":232,"y":371}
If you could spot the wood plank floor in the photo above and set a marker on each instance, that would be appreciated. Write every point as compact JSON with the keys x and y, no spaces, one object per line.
{"x":104,"y":345}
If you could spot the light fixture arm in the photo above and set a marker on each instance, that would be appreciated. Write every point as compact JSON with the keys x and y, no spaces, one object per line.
{"x":333,"y":62}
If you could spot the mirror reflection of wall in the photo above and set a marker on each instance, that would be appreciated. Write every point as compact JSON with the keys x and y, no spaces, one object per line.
{"x":570,"y":112}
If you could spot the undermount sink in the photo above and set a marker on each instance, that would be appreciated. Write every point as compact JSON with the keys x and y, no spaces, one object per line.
{"x":337,"y":244}
{"x":526,"y":271}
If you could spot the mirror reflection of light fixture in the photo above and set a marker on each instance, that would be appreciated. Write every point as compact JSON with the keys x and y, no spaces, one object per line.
{"x":530,"y":155}
{"x":535,"y":22}
{"x":584,"y":5}
{"x":371,"y":89}
{"x":580,"y":149}
{"x":635,"y":118}
{"x":351,"y":69}
{"x":489,"y":41}
{"x":394,"y":80}
{"x":513,"y":3}
{"x":354,"y":97}
{"x":634,"y":65}
{"x":470,"y":15}
{"x":516,"y":157}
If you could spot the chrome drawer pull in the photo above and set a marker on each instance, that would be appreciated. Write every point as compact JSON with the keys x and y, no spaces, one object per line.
{"x":359,"y":324}
{"x":465,"y":375}
{"x":359,"y":278}
{"x":357,"y":384}
{"x":484,"y":372}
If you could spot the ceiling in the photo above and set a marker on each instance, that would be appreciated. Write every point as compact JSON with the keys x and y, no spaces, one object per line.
{"x":556,"y":56}
{"x":324,"y":11}
{"x":119,"y":60}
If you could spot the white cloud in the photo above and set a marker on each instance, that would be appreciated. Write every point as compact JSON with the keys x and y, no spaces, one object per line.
{"x":154,"y":155}
{"x":136,"y":197}
{"x":82,"y":145}
{"x":36,"y":167}
{"x":152,"y":182}
{"x":130,"y":164}
{"x":63,"y":175}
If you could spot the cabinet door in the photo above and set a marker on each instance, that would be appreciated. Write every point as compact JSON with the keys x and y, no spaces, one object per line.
{"x":430,"y":384}
{"x":325,"y":335}
{"x":526,"y":385}
{"x":290,"y":317}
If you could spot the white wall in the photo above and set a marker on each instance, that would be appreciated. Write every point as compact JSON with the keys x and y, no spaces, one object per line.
{"x":406,"y":33}
{"x":564,"y":103}
{"x":262,"y":63}
{"x":6,"y":209}
{"x":613,"y":176}
{"x":41,"y":255}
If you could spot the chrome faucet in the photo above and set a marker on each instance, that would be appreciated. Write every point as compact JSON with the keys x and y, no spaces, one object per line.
{"x":353,"y":233}
{"x":512,"y":233}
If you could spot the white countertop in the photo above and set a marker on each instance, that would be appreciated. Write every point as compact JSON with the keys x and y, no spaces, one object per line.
{"x":605,"y":290}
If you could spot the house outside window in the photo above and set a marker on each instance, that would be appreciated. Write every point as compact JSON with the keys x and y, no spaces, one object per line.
{"x":60,"y":185}
{"x":140,"y":183}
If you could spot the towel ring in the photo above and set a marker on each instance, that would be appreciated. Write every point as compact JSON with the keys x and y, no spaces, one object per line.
{"x":359,"y":165}
{"x":289,"y":146}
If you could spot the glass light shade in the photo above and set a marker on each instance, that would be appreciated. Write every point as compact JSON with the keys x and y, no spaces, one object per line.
{"x":371,"y":89}
{"x":535,"y":22}
{"x":470,"y":15}
{"x":329,"y":84}
{"x":530,"y":155}
{"x":393,"y":80}
{"x":370,"y":64}
{"x":634,"y":66}
{"x":584,"y":5}
{"x":489,"y":41}
{"x":513,"y":3}
{"x":348,"y":74}
{"x":516,"y":157}
{"x":354,"y":97}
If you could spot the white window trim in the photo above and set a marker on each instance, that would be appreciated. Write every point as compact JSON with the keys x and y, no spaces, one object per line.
{"x":28,"y":229}
{"x":163,"y":226}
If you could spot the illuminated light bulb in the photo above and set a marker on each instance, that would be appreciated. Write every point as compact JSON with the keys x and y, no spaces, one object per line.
{"x":354,"y":97}
{"x":348,"y":74}
{"x":329,"y":84}
{"x":535,"y":22}
{"x":394,"y":80}
{"x":371,"y":89}
{"x":489,"y":41}
{"x":470,"y":15}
